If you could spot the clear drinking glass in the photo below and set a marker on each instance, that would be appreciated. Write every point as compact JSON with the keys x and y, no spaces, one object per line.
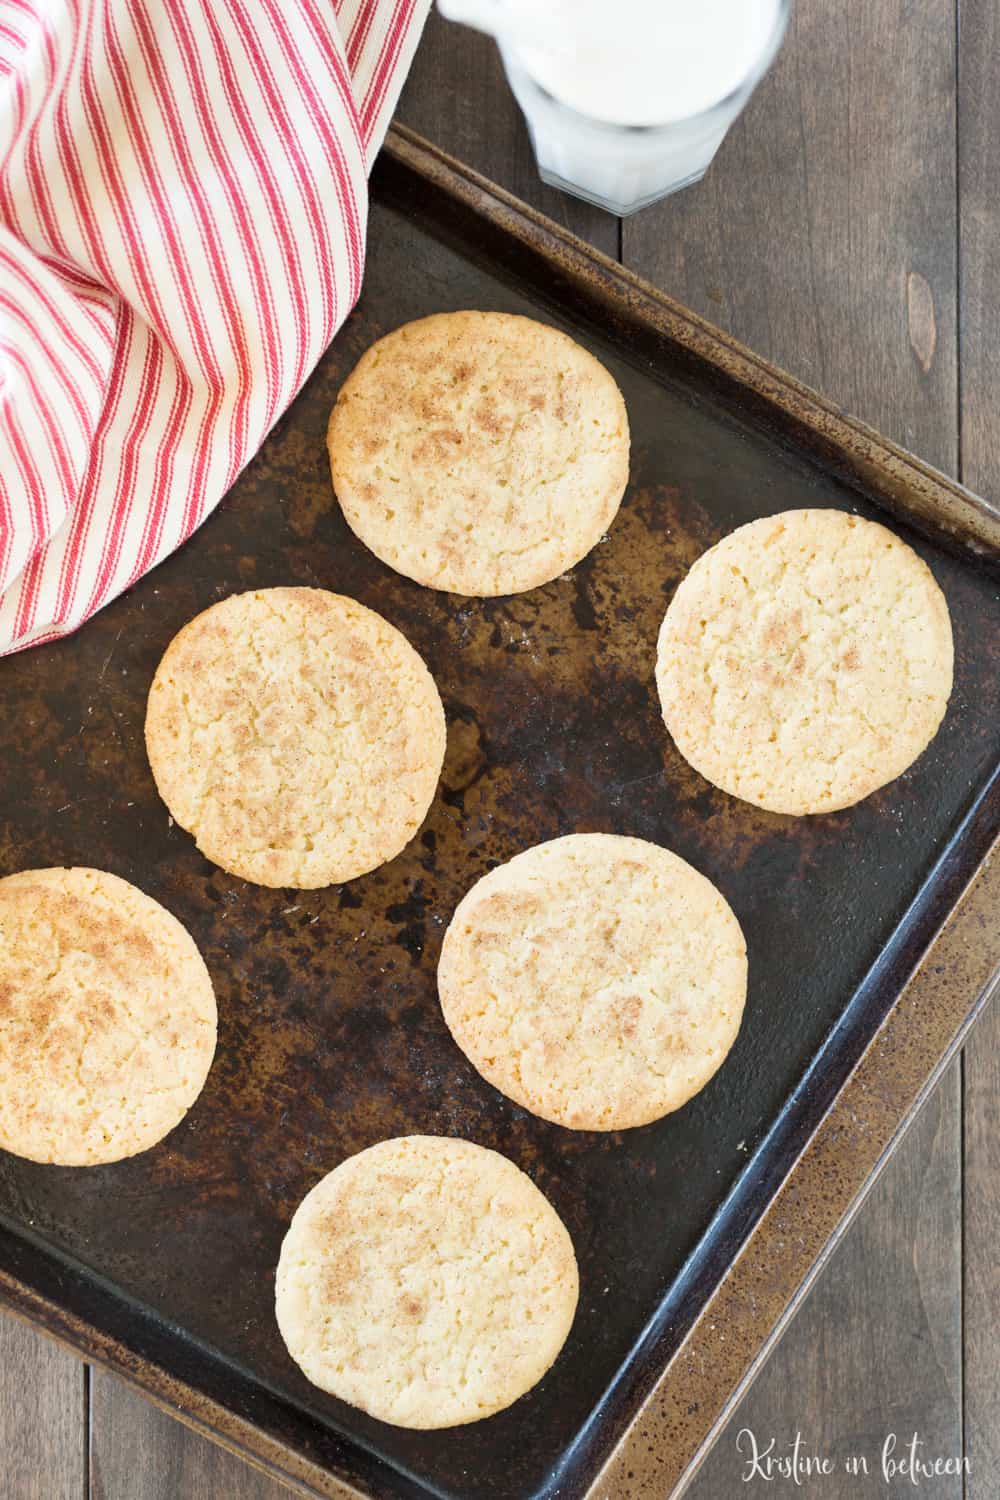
{"x":618,"y":165}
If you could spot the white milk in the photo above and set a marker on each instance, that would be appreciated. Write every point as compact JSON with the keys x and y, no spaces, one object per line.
{"x":629,"y":99}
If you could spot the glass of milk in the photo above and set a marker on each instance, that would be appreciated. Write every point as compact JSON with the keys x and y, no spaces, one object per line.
{"x":628,"y":100}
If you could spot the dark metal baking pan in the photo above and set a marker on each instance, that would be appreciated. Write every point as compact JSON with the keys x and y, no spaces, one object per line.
{"x":331,"y":1036}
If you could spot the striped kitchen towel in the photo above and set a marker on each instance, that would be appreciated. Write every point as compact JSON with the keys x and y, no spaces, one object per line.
{"x":183,"y":204}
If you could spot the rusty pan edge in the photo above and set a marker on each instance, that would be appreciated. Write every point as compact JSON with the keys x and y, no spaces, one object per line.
{"x":737,"y":1329}
{"x":209,"y":1418}
{"x":903,"y":483}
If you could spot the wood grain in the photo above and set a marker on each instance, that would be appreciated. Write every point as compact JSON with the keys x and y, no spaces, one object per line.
{"x":43,"y":1427}
{"x":138,"y":1452}
{"x":832,"y":191}
{"x":876,"y":1348}
{"x":982,"y":1262}
{"x":979,"y":238}
{"x":979,"y":312}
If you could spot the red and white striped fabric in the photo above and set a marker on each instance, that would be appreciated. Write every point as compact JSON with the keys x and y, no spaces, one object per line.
{"x":183,"y":206}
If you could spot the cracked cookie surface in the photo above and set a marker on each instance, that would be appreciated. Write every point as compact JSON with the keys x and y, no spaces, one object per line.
{"x":297,"y":735}
{"x":107,"y":1018}
{"x":479,"y":452}
{"x":597,"y":980}
{"x":805,"y":661}
{"x":426,"y":1281}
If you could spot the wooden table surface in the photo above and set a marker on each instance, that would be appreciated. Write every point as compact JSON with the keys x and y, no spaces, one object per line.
{"x":849,"y":231}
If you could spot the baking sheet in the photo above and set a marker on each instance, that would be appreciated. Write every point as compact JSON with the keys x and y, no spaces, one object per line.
{"x":330,"y":1033}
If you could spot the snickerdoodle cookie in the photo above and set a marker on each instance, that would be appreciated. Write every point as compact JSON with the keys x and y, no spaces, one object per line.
{"x":805,"y":661}
{"x":107,"y":1018}
{"x":427,"y":1281}
{"x":479,"y":452}
{"x":597,"y":980}
{"x":296,"y":734}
